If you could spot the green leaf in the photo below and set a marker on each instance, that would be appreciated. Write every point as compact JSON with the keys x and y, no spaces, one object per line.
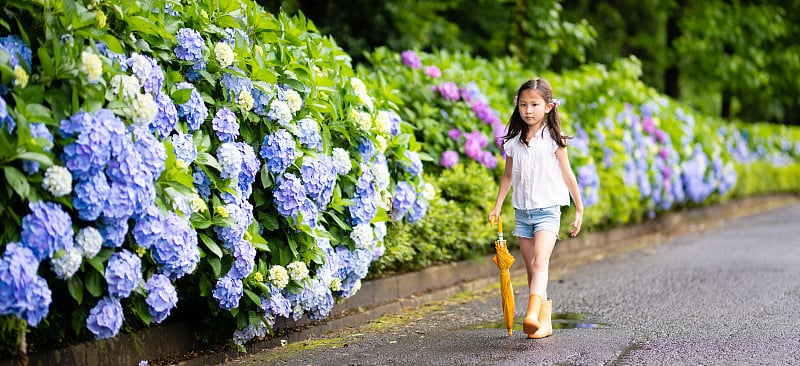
{"x":94,"y":283}
{"x":141,"y":309}
{"x":253,"y":297}
{"x":181,"y":96}
{"x":270,"y":222}
{"x":39,"y":157}
{"x":211,"y":245}
{"x":75,"y":286}
{"x":113,"y":43}
{"x":17,"y":181}
{"x":205,"y":158}
{"x":216,"y":266}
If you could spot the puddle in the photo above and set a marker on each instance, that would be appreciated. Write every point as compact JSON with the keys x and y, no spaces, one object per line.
{"x":560,"y":321}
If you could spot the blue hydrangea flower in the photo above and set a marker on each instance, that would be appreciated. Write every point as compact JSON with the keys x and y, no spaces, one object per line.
{"x":309,"y":134}
{"x":194,"y":111}
{"x":5,"y":117}
{"x":316,"y":300}
{"x":289,"y":195}
{"x":184,"y":147}
{"x":123,"y":273}
{"x":260,"y":101}
{"x":147,"y":70}
{"x":167,"y":115}
{"x":279,"y":151}
{"x":152,"y":151}
{"x":235,"y":84}
{"x":90,"y":152}
{"x":113,"y":232}
{"x":23,"y":293}
{"x":276,"y":304}
{"x":121,"y":202}
{"x":404,"y":197}
{"x":395,"y":119}
{"x":225,"y":125}
{"x":242,"y":214}
{"x":415,"y":167}
{"x":38,"y":131}
{"x":105,"y":319}
{"x":121,"y":60}
{"x":230,"y":159}
{"x":244,"y":259}
{"x":309,"y":213}
{"x":319,"y":177}
{"x":418,"y":210}
{"x":250,"y":167}
{"x":190,"y":45}
{"x":177,"y":253}
{"x":18,"y":51}
{"x":161,"y":297}
{"x":46,"y":229}
{"x":202,"y":183}
{"x":228,"y":291}
{"x":363,"y":209}
{"x":149,"y":227}
{"x":366,"y":148}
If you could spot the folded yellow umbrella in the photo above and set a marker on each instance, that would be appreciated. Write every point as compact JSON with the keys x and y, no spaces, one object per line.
{"x":503,"y":259}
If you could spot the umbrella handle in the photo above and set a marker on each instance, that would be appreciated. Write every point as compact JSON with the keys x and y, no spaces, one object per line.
{"x":499,"y":225}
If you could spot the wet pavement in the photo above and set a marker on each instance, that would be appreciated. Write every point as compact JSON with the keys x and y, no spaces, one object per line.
{"x":726,"y":296}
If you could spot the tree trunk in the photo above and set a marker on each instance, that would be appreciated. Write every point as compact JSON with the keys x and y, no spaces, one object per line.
{"x":726,"y":103}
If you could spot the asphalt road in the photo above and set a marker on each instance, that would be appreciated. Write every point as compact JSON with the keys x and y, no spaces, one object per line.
{"x":727,"y":296}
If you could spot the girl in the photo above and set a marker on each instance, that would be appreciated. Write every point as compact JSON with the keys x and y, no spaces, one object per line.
{"x":538,"y":167}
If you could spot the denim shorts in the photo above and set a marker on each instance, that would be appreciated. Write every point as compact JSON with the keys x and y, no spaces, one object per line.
{"x":528,"y":222}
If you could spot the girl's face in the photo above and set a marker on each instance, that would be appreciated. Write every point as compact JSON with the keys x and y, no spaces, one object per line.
{"x":532,"y":107}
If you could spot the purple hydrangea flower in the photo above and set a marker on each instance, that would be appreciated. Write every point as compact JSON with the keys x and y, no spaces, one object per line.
{"x":289,"y":195}
{"x":194,"y":111}
{"x":411,"y":59}
{"x":432,"y":71}
{"x":190,"y":45}
{"x":454,"y":134}
{"x":228,"y":291}
{"x":225,"y":125}
{"x":123,"y":273}
{"x":449,"y":159}
{"x":23,"y":293}
{"x":448,"y":90}
{"x":105,"y":318}
{"x":279,"y":151}
{"x":46,"y":229}
{"x":161,"y":297}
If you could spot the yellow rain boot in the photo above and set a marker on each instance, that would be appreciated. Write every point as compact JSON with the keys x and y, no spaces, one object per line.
{"x":545,"y":323}
{"x":531,"y":323}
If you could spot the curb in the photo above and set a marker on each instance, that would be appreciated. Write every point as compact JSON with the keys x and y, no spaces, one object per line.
{"x":389,"y":295}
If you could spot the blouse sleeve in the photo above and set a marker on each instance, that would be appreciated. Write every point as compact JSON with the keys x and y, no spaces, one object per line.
{"x":508,"y":148}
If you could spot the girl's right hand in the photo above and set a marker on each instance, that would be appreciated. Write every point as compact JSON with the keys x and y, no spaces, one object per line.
{"x":494,"y":215}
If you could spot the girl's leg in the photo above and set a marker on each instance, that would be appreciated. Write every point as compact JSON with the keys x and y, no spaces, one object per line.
{"x":544,"y":242}
{"x":526,"y":246}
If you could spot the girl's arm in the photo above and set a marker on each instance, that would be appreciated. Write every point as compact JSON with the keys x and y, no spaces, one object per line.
{"x":505,"y":186}
{"x":572,"y":186}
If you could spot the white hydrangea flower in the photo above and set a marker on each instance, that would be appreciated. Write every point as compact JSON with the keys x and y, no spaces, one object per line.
{"x":293,"y":100}
{"x":89,"y":241}
{"x":92,"y":66}
{"x":341,"y":160}
{"x":384,"y":200}
{"x":380,"y":230}
{"x":125,"y":85}
{"x":381,"y":144}
{"x":66,"y":262}
{"x":280,"y":112}
{"x":297,"y":271}
{"x":356,"y":287}
{"x":224,"y":54}
{"x":279,"y":276}
{"x":358,"y":86}
{"x":383,"y":122}
{"x":381,"y":174}
{"x":140,"y":66}
{"x":428,"y":191}
{"x":57,"y":180}
{"x":246,"y":100}
{"x":20,"y":76}
{"x":362,"y":235}
{"x":198,"y":204}
{"x":364,"y":120}
{"x":144,"y":108}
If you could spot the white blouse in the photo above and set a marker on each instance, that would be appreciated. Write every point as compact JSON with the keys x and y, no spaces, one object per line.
{"x":537,"y":181}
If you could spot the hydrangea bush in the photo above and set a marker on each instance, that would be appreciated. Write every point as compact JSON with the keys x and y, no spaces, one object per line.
{"x":203,"y":157}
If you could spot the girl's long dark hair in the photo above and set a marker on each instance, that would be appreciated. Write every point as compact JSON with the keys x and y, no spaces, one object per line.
{"x":518,"y":127}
